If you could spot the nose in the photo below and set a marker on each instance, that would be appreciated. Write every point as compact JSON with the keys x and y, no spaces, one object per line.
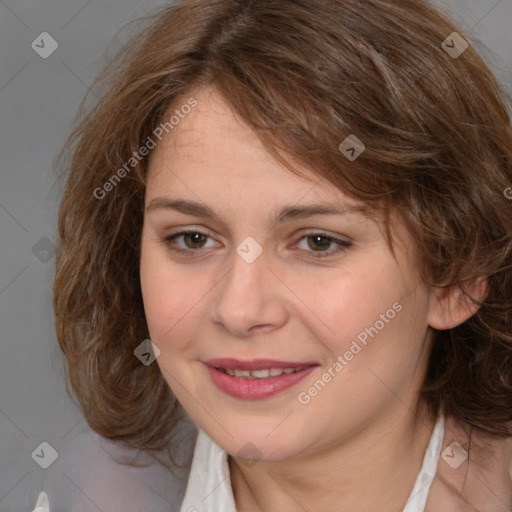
{"x":250,"y":299}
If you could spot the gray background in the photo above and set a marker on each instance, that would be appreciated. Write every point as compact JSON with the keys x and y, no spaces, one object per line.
{"x":39,"y":100}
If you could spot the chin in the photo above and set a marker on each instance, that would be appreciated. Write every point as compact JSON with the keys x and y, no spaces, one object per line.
{"x":255,"y":445}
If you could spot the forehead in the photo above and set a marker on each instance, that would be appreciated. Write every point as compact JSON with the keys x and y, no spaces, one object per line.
{"x":214,"y":164}
{"x":212,"y":147}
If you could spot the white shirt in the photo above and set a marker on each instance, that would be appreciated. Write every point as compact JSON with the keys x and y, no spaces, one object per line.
{"x":209,"y":483}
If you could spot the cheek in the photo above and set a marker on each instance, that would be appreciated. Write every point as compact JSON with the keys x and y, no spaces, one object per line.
{"x":166,"y":299}
{"x":382,"y":340}
{"x":372,"y":359}
{"x":347,"y":302}
{"x":175,"y":300}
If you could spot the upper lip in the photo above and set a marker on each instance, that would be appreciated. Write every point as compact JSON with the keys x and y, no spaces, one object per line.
{"x":255,"y":364}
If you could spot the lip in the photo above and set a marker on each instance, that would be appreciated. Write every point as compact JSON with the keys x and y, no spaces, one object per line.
{"x":255,"y":389}
{"x":255,"y":364}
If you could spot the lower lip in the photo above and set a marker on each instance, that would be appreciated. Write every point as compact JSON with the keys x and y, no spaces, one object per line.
{"x":253,"y":389}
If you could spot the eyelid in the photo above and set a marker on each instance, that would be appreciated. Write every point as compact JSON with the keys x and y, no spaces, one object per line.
{"x":166,"y":240}
{"x":342,"y":245}
{"x":302,"y":233}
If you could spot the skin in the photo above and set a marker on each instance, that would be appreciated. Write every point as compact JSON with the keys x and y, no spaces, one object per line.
{"x":359,"y":444}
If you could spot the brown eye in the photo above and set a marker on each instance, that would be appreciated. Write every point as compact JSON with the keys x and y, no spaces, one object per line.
{"x":187,"y":241}
{"x":319,"y":245}
{"x":194,"y":240}
{"x":319,"y":242}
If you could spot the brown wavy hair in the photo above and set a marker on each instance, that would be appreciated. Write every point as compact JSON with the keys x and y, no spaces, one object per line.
{"x":304,"y":74}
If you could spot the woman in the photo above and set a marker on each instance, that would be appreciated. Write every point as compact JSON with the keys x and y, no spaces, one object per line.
{"x":300,"y":203}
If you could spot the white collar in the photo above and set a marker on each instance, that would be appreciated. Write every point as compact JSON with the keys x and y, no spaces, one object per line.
{"x":209,"y":483}
{"x":418,"y":496}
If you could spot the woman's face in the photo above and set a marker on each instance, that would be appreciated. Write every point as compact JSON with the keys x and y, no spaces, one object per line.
{"x":264,"y":278}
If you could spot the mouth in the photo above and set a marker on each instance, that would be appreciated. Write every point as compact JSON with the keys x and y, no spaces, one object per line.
{"x":260,"y":374}
{"x":256,"y":379}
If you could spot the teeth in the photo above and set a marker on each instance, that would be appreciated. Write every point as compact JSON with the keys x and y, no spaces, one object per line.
{"x":242,"y":373}
{"x":261,"y":374}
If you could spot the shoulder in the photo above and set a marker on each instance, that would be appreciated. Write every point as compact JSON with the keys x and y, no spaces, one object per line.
{"x":92,"y":471}
{"x":473,"y":471}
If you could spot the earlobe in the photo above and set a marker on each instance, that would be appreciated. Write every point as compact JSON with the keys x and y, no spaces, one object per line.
{"x":451,"y":307}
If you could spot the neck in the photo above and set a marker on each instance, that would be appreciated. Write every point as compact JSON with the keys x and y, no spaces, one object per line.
{"x":373,"y":470}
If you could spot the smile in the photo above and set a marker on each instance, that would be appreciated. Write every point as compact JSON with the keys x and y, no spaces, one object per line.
{"x":257,"y":379}
{"x":260,"y":374}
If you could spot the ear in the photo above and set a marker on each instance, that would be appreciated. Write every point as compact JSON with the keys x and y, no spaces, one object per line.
{"x":451,"y":307}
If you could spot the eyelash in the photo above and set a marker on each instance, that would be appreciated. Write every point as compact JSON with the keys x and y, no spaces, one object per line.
{"x":343,"y":245}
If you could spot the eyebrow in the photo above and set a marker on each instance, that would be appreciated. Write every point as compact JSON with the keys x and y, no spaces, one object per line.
{"x":285,"y":214}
